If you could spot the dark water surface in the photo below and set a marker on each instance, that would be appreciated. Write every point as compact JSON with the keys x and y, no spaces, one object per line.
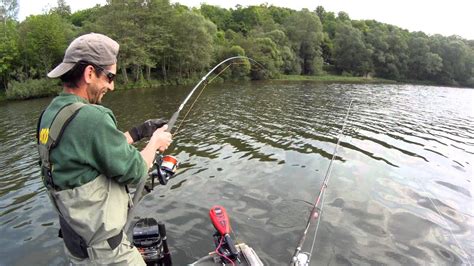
{"x":401,"y":190}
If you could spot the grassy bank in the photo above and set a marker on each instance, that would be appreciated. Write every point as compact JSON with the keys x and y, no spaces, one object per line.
{"x":49,"y":87}
{"x":3,"y":97}
{"x":335,"y":79}
{"x":37,"y":88}
{"x":32,"y":88}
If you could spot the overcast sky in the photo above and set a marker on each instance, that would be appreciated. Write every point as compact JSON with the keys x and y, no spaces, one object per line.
{"x":432,"y":17}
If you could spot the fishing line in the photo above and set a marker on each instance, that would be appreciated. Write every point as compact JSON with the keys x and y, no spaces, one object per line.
{"x":439,"y":212}
{"x":446,"y":222}
{"x":316,"y":212}
{"x":197,"y":97}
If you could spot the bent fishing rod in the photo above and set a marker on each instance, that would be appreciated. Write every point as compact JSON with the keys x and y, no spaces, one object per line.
{"x":299,"y":258}
{"x":141,"y":185}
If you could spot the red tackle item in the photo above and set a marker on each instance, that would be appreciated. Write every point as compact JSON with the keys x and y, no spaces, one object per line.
{"x":219,"y":219}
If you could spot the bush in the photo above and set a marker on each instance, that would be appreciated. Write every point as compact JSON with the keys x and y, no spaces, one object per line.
{"x":470,"y":83}
{"x":32,"y":88}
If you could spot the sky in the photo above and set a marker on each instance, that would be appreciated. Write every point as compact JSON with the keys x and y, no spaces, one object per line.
{"x":454,"y":17}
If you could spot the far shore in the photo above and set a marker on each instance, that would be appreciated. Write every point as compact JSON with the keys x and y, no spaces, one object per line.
{"x":325,"y":78}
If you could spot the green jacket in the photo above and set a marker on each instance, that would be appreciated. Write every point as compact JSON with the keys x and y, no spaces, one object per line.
{"x":91,"y":145}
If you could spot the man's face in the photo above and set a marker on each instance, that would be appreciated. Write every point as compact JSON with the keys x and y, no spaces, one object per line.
{"x":100,"y":85}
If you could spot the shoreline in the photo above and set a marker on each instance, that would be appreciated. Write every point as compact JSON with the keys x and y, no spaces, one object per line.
{"x":326,"y":79}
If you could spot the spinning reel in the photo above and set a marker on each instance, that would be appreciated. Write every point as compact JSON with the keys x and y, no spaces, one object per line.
{"x":164,"y":169}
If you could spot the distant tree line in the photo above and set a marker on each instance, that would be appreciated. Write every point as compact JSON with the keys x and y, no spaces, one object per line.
{"x":170,"y":43}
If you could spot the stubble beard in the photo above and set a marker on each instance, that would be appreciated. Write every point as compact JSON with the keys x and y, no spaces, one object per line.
{"x":95,"y":94}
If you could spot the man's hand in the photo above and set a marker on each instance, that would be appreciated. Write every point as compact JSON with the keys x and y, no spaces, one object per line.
{"x":161,"y":139}
{"x":146,"y":129}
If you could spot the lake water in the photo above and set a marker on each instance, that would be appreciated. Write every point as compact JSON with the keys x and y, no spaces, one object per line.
{"x":400,"y":192}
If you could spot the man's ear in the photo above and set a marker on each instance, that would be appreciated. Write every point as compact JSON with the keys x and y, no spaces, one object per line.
{"x":88,"y":73}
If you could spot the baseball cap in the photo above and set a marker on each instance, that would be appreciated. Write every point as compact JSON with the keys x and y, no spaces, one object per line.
{"x":94,"y":48}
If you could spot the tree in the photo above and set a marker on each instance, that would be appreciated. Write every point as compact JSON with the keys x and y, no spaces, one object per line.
{"x":265,"y":51}
{"x":161,"y":34}
{"x":456,"y":56}
{"x":389,"y":50}
{"x":8,"y":51}
{"x":62,"y":9}
{"x":43,"y":41}
{"x":304,"y":31}
{"x":129,"y":19}
{"x":220,"y":16}
{"x":343,"y":17}
{"x":351,"y":53}
{"x":290,"y":62}
{"x":193,"y":44}
{"x":280,"y":14}
{"x":9,"y":10}
{"x":329,"y":23}
{"x":422,"y":63}
{"x":80,"y":17}
{"x":240,"y":70}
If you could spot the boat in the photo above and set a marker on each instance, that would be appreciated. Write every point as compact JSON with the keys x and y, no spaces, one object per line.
{"x":149,"y":236}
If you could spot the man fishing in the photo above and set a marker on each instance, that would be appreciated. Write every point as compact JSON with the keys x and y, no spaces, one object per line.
{"x":86,"y":162}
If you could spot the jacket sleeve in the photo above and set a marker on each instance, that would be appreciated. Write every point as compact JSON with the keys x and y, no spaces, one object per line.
{"x":112,"y":155}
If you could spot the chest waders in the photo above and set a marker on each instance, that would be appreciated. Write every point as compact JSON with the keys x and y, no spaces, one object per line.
{"x":68,"y":202}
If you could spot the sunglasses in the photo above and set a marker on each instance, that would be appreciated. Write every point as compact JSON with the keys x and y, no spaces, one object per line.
{"x":110,"y":76}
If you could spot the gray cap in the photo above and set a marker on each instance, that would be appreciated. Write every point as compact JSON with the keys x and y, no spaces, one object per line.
{"x":94,"y":48}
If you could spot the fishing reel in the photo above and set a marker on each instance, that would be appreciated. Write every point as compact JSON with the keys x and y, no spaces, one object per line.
{"x":165,"y":168}
{"x":302,"y":259}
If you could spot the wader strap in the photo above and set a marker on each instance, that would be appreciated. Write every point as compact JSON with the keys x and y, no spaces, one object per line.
{"x":50,"y":138}
{"x":61,"y":121}
{"x":38,"y":125}
{"x":77,"y":245}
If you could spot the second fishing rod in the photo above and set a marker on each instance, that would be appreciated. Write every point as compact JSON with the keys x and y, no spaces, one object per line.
{"x":304,"y":258}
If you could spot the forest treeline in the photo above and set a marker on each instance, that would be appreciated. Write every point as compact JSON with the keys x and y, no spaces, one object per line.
{"x":171,"y":43}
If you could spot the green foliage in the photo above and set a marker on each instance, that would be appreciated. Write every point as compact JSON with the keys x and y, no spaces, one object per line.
{"x":456,"y":58}
{"x":238,"y":70}
{"x":390,"y":50}
{"x":195,"y":46}
{"x":43,"y":41}
{"x":351,"y":53}
{"x":81,"y":17}
{"x":164,"y":43}
{"x":63,"y":10}
{"x":304,"y":30}
{"x":220,"y":16}
{"x":264,"y":51}
{"x":422,"y":63}
{"x":290,"y":62}
{"x":8,"y":51}
{"x":32,"y":88}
